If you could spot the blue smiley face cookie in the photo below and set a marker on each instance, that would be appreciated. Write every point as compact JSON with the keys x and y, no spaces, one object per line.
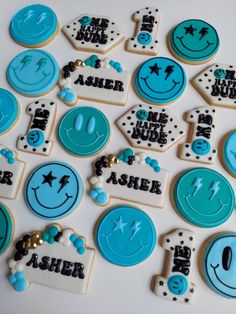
{"x":204,"y":197}
{"x":6,"y":228}
{"x":126,"y":236}
{"x":53,"y":190}
{"x":229,"y":153}
{"x":194,"y":41}
{"x":84,"y":131}
{"x":219,"y":264}
{"x":9,"y":110}
{"x":34,"y":26}
{"x":33,"y":72}
{"x":160,"y":80}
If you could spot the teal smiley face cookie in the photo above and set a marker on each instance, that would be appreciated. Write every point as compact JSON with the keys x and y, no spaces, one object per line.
{"x":34,"y":25}
{"x":84,"y":131}
{"x":6,"y":228}
{"x":126,"y":236}
{"x":204,"y":197}
{"x":160,"y":80}
{"x":219,"y":263}
{"x":194,"y":41}
{"x":33,"y":72}
{"x":9,"y":110}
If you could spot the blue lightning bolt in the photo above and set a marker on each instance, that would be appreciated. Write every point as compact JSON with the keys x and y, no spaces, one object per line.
{"x":28,"y":15}
{"x":135,"y":227}
{"x":41,"y":17}
{"x":214,"y":188}
{"x":197,"y":183}
{"x":26,"y":60}
{"x":41,"y":63}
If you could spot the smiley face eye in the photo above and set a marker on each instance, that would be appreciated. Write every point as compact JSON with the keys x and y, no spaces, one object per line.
{"x":28,"y":15}
{"x":203,"y":32}
{"x":197,"y":184}
{"x":25,"y":61}
{"x":214,"y":188}
{"x":135,"y":227}
{"x":63,"y":182}
{"x":41,"y":17}
{"x":169,"y":70}
{"x":78,"y":122}
{"x":91,"y":125}
{"x":226,"y":257}
{"x":48,"y":178}
{"x":155,"y":69}
{"x":41,"y":64}
{"x":190,"y":30}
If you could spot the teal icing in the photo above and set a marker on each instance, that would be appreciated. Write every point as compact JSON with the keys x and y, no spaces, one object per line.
{"x":219,"y":263}
{"x":33,"y":72}
{"x":204,"y":197}
{"x":9,"y":110}
{"x":194,"y":40}
{"x":177,"y":284}
{"x":33,"y":25}
{"x":6,"y":228}
{"x":84,"y":131}
{"x":229,"y":153}
{"x":9,"y":155}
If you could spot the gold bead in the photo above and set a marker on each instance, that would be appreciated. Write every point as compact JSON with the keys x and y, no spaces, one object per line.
{"x":35,"y":240}
{"x":79,"y":63}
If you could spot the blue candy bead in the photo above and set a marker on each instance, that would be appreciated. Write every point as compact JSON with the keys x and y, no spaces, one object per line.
{"x":148,"y":160}
{"x":73,"y":237}
{"x":153,"y":163}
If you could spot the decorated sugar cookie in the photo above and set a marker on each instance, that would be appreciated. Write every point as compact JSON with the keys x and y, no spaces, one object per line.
{"x":194,"y":41}
{"x":56,"y":257}
{"x":129,"y":176}
{"x":217,"y":84}
{"x":150,"y":128}
{"x":218,"y":264}
{"x":84,"y":131}
{"x":6,"y":228}
{"x":34,"y":26}
{"x":145,"y":39}
{"x":37,"y":139}
{"x":126,"y":236}
{"x":9,"y":110}
{"x":204,"y":197}
{"x":59,"y":181}
{"x":201,"y":146}
{"x":94,"y":79}
{"x":160,"y":80}
{"x":11,"y":173}
{"x":93,"y":33}
{"x":33,"y":73}
{"x":176,"y":284}
{"x":229,"y":153}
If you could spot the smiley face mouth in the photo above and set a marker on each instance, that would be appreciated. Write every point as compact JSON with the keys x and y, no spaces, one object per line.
{"x":38,"y":34}
{"x":34,"y":140}
{"x":156,"y":91}
{"x":222,"y":205}
{"x":2,"y":116}
{"x":48,"y":207}
{"x":217,"y":277}
{"x":98,"y":136}
{"x":30,"y":83}
{"x":194,"y":50}
{"x":141,"y":247}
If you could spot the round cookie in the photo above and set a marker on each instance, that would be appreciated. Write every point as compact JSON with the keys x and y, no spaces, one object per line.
{"x":204,"y":197}
{"x":34,"y":26}
{"x":218,"y":264}
{"x":229,"y":153}
{"x":160,"y":80}
{"x":9,"y":110}
{"x":53,"y":190}
{"x":194,"y":41}
{"x":84,"y":131}
{"x":6,"y":228}
{"x":126,"y":236}
{"x":33,"y":73}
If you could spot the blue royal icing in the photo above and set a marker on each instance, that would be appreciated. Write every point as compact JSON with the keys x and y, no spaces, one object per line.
{"x":9,"y":110}
{"x":229,"y":153}
{"x":160,"y":80}
{"x":33,"y":72}
{"x":6,"y":228}
{"x":34,"y":25}
{"x":61,"y":182}
{"x":126,"y":236}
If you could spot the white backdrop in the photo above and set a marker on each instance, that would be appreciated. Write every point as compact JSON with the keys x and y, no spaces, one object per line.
{"x":114,"y":289}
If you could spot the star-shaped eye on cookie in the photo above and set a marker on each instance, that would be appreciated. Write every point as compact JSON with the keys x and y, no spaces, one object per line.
{"x":155,"y":69}
{"x":190,"y":30}
{"x":48,"y":178}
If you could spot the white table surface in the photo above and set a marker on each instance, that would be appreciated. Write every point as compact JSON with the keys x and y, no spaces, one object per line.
{"x":114,"y":289}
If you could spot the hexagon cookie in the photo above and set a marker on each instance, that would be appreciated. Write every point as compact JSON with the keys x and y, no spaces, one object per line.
{"x":217,"y":84}
{"x":150,"y":127}
{"x":93,"y":33}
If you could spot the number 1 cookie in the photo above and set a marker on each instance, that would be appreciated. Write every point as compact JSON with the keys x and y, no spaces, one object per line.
{"x":201,"y":148}
{"x":145,"y":39}
{"x":176,"y":285}
{"x":56,"y":257}
{"x":93,"y":33}
{"x":37,"y":139}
